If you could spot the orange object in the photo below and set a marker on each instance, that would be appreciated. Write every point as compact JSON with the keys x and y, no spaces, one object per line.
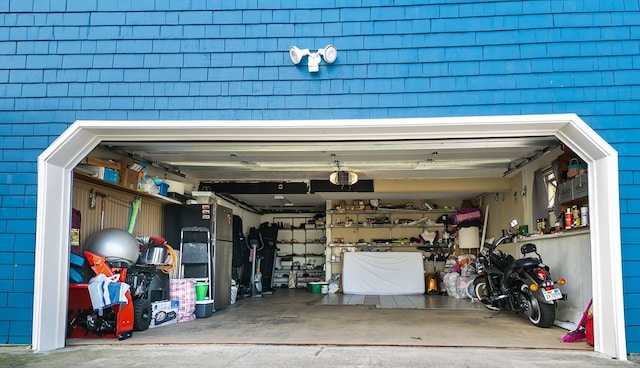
{"x":98,"y":264}
{"x":80,"y":301}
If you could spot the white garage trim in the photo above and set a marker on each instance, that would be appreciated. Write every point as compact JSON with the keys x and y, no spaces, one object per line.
{"x":55,"y":167}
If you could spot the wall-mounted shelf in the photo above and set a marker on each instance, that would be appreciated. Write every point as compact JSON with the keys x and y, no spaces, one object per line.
{"x":387,"y":226}
{"x":384,"y":210}
{"x":90,"y":179}
{"x":365,"y":245}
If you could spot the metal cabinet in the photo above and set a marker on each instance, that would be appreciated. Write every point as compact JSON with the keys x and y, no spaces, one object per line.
{"x":573,"y":189}
{"x":565,"y":192}
{"x":580,"y":186}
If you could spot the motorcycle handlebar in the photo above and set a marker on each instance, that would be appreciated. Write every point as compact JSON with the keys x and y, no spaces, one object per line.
{"x":498,"y":242}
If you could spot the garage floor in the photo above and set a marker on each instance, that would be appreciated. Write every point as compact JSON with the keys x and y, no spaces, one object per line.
{"x":298,"y":317}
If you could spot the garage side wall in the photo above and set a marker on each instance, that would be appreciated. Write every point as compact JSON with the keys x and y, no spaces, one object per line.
{"x":62,"y":61}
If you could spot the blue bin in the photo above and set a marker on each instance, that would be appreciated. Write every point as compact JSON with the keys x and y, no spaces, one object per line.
{"x":164,"y":188}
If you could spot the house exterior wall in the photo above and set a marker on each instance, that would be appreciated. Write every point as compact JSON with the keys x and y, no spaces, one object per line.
{"x":62,"y":61}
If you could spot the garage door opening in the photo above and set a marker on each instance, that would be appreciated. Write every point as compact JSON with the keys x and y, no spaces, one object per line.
{"x":55,"y":167}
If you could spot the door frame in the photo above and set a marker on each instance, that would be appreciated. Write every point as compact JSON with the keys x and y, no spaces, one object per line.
{"x":56,"y":163}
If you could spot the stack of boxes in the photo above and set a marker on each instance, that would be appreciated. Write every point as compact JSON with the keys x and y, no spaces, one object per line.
{"x":116,"y":172}
{"x":102,"y":169}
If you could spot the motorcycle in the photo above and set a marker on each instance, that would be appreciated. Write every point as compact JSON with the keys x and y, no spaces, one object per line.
{"x":521,"y":285}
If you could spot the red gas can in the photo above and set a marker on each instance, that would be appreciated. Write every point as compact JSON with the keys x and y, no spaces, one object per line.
{"x":588,"y":329}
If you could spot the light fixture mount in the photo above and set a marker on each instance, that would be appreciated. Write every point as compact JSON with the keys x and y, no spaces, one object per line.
{"x":329,"y":53}
{"x":343,"y":178}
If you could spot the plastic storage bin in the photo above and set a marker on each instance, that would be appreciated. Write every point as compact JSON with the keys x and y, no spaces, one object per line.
{"x":204,"y":308}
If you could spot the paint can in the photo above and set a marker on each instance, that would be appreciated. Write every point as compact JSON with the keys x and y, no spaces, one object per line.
{"x":584,"y":213}
{"x":576,"y":216}
{"x":568,"y":218}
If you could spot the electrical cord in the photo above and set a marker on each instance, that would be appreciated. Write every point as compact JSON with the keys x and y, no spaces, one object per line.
{"x":168,"y":268}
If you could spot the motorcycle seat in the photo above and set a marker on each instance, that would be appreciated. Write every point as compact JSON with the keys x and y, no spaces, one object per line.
{"x":526,"y":262}
{"x":517,"y":265}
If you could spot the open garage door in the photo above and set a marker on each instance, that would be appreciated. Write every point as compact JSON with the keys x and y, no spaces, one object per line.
{"x":55,"y":167}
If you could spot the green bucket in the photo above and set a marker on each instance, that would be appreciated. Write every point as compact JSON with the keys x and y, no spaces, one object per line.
{"x":315,"y":287}
{"x":201,"y":291}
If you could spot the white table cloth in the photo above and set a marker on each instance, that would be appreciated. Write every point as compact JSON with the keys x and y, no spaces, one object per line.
{"x":383,"y":273}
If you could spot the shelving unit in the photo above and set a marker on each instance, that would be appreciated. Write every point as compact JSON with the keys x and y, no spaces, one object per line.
{"x":383,"y":229}
{"x":574,"y":191}
{"x":301,"y":250}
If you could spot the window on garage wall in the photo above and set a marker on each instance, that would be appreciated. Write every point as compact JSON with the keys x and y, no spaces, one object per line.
{"x":545,"y":186}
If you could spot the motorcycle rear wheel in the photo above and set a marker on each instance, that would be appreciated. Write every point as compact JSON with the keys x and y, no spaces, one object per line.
{"x":483,"y":293}
{"x":540,"y":314}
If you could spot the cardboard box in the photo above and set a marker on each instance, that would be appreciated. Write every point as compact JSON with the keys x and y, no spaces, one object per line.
{"x":100,"y":172}
{"x":104,"y":163}
{"x":164,"y":312}
{"x":129,"y":178}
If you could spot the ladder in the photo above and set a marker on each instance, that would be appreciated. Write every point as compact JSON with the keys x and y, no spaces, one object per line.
{"x":195,"y":261}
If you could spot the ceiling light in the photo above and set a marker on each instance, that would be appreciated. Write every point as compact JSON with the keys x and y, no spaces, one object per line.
{"x":329,"y":53}
{"x":343,"y":178}
{"x":285,"y":201}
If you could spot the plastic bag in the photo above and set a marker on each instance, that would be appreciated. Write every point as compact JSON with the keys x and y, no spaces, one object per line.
{"x":468,"y":269}
{"x":450,"y":280}
{"x":452,"y":265}
{"x":462,"y":287}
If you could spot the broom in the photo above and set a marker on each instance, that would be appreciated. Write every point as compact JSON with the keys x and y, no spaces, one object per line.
{"x":579,"y":333}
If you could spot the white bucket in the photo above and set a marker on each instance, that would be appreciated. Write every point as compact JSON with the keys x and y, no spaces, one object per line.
{"x":234,"y":294}
{"x":324,"y":289}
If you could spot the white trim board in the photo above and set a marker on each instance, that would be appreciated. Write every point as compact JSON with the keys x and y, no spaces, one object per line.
{"x":56,"y":163}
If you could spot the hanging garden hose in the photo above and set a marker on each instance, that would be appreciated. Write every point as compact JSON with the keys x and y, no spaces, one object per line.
{"x":168,"y":268}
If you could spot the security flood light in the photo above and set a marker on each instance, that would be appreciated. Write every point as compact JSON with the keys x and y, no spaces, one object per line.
{"x":296,"y":54}
{"x":329,"y":53}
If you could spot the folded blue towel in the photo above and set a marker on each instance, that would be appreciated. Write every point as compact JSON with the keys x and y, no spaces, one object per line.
{"x":105,"y":292}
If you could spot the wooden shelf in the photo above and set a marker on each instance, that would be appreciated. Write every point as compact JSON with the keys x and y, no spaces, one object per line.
{"x":576,"y":202}
{"x":90,"y":179}
{"x":382,"y":211}
{"x":386,"y":226}
{"x":374,"y":245}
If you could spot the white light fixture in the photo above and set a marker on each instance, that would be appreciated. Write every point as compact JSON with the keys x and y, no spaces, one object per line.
{"x":343,"y":178}
{"x":296,"y":54}
{"x":285,"y":201}
{"x":329,"y":53}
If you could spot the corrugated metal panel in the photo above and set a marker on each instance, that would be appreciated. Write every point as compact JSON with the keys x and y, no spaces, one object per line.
{"x":117,"y":207}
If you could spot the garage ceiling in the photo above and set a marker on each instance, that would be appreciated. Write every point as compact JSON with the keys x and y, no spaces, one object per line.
{"x":269,"y":163}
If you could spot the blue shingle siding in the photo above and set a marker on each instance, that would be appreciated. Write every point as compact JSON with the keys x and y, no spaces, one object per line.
{"x":66,"y":60}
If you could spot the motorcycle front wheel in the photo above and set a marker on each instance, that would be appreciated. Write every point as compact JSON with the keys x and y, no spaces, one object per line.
{"x":483,"y":293}
{"x":540,"y":314}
